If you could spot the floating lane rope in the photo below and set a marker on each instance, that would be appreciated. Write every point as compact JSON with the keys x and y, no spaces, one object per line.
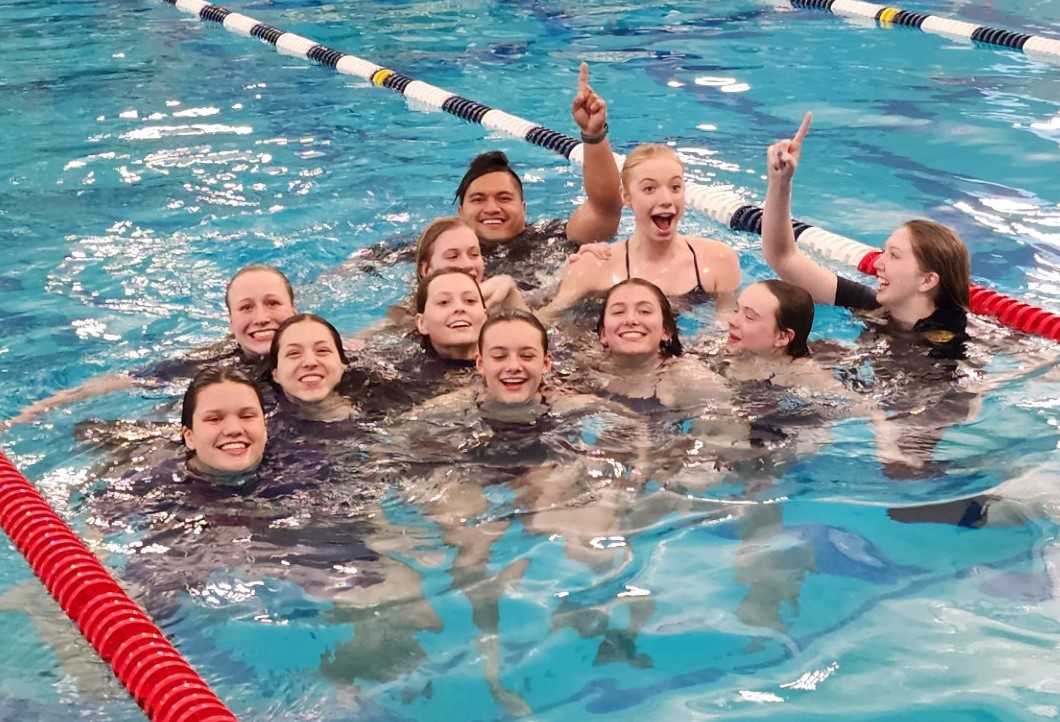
{"x":156,"y":675}
{"x":1036,"y":45}
{"x":721,"y":204}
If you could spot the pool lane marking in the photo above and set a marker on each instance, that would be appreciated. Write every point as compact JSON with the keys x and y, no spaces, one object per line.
{"x":721,"y":204}
{"x":1037,"y":46}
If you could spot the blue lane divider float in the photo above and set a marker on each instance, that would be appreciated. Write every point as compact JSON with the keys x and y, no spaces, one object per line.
{"x":720,"y":203}
{"x":1035,"y":45}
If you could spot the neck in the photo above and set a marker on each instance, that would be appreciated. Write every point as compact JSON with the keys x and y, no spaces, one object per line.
{"x":196,"y":466}
{"x":640,"y":246}
{"x":525,"y":412}
{"x":634,"y":363}
{"x":332,"y":407}
{"x":458,"y":353}
{"x":906,"y":313}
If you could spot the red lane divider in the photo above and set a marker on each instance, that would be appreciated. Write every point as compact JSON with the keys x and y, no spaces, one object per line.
{"x":986,"y":302}
{"x":156,"y":675}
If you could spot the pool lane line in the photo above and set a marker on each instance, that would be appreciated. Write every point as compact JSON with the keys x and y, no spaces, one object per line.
{"x":1037,"y":46}
{"x":721,"y":204}
{"x":161,"y":681}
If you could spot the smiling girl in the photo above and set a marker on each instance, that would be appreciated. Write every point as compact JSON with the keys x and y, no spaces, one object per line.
{"x":223,"y":424}
{"x":682,"y":267}
{"x":307,"y":361}
{"x":923,"y":272}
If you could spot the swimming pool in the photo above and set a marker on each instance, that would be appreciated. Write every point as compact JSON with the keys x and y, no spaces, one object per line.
{"x":149,"y":156}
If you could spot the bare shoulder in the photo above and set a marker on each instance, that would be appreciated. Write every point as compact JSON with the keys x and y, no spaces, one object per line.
{"x":711,"y":248}
{"x":718,"y":262}
{"x":444,"y":404}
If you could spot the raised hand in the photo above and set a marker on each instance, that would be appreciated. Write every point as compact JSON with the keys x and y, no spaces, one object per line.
{"x":782,"y":158}
{"x":589,"y":109}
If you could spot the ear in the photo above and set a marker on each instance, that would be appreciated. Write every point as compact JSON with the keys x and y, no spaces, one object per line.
{"x":421,"y":326}
{"x":274,"y":376}
{"x":627,"y":199}
{"x":929,"y":281}
{"x":478,"y":363}
{"x":422,"y":271}
{"x":185,"y":433}
{"x":548,"y":363}
{"x":784,"y":337}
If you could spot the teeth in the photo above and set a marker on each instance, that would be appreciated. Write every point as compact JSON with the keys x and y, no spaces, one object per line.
{"x":460,"y":324}
{"x":234,"y":445}
{"x":311,"y":378}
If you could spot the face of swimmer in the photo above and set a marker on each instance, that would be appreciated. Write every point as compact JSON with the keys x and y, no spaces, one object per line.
{"x":493,"y":206}
{"x":512,"y":361}
{"x":227,"y":432}
{"x":753,"y":326}
{"x":656,"y":193}
{"x":633,"y":322}
{"x":457,"y":248}
{"x":453,"y":313}
{"x":258,"y":302}
{"x":308,"y":364}
{"x":899,"y":272}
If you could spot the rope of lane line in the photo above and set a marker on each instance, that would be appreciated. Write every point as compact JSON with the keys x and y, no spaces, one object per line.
{"x":1035,"y":45}
{"x":721,"y":204}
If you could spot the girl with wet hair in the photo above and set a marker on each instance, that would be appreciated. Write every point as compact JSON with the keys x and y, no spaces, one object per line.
{"x":923,"y":271}
{"x":257,"y":297}
{"x":682,"y":267}
{"x":307,"y":362}
{"x":922,"y":301}
{"x":450,"y":311}
{"x":637,"y":329}
{"x":223,"y":423}
{"x":768,"y":339}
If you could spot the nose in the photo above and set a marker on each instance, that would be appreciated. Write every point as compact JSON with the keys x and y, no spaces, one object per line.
{"x":231,"y":426}
{"x":491,"y":205}
{"x":309,"y":361}
{"x":261,"y":316}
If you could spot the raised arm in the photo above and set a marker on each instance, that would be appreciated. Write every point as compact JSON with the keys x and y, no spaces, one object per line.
{"x":596,"y":219}
{"x":778,"y":238}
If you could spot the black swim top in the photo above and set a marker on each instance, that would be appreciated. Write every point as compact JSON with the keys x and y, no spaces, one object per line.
{"x":699,"y":287}
{"x":945,"y":330}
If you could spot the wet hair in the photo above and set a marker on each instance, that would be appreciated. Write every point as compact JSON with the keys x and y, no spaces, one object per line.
{"x":643,"y":152}
{"x":940,"y":250}
{"x":794,"y":313}
{"x":507,"y":315}
{"x":668,"y":348}
{"x":211,"y":377}
{"x":424,"y":286}
{"x":258,"y":267}
{"x":274,"y":349}
{"x":493,"y":161}
{"x":429,"y":237}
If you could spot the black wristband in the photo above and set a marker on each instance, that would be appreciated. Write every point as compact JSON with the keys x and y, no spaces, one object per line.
{"x":594,"y":139}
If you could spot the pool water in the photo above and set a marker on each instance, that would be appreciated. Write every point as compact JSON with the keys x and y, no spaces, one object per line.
{"x":148,"y":156}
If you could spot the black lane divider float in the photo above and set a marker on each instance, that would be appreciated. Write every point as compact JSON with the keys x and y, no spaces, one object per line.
{"x":1036,"y":45}
{"x":721,"y":204}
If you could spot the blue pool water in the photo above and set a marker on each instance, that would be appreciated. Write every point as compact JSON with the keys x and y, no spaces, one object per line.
{"x":147,"y":156}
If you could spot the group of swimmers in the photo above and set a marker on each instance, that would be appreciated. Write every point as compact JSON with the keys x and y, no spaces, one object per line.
{"x":286,"y":373}
{"x":464,"y":316}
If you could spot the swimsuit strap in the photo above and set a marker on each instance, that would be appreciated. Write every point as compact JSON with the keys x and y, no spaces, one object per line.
{"x":695,"y":266}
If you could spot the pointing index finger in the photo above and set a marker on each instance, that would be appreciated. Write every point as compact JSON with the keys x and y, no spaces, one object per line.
{"x":803,"y":129}
{"x":583,"y":75}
